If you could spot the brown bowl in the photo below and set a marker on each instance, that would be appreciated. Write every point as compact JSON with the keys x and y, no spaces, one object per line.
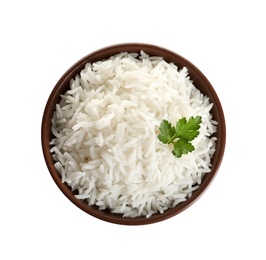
{"x":199,"y":80}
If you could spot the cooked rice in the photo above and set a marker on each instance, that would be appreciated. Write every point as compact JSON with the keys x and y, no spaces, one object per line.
{"x":105,"y":129}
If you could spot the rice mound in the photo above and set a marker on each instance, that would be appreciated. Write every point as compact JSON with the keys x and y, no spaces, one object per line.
{"x":105,"y":129}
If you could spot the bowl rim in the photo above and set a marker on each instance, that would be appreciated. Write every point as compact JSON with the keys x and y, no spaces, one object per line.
{"x":63,"y":83}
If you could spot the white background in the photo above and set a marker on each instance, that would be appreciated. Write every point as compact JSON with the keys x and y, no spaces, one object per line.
{"x":40,"y":40}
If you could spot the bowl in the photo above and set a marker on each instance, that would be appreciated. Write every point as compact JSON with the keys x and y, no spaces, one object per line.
{"x":199,"y":80}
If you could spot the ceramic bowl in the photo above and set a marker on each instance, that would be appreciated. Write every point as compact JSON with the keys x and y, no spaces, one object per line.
{"x":199,"y":80}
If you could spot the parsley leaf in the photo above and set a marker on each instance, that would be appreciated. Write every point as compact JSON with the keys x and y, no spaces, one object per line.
{"x":188,"y":129}
{"x":182,"y":146}
{"x":167,"y":132}
{"x":181,"y":135}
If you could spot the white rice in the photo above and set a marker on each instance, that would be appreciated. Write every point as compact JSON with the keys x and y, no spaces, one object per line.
{"x":105,"y":130}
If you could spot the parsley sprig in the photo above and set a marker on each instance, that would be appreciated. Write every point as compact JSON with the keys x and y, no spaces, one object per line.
{"x":181,"y":135}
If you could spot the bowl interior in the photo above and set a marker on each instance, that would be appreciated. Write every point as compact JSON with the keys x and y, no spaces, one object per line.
{"x":199,"y":80}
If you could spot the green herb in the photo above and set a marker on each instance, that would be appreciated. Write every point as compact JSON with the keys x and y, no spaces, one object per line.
{"x":181,"y":135}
